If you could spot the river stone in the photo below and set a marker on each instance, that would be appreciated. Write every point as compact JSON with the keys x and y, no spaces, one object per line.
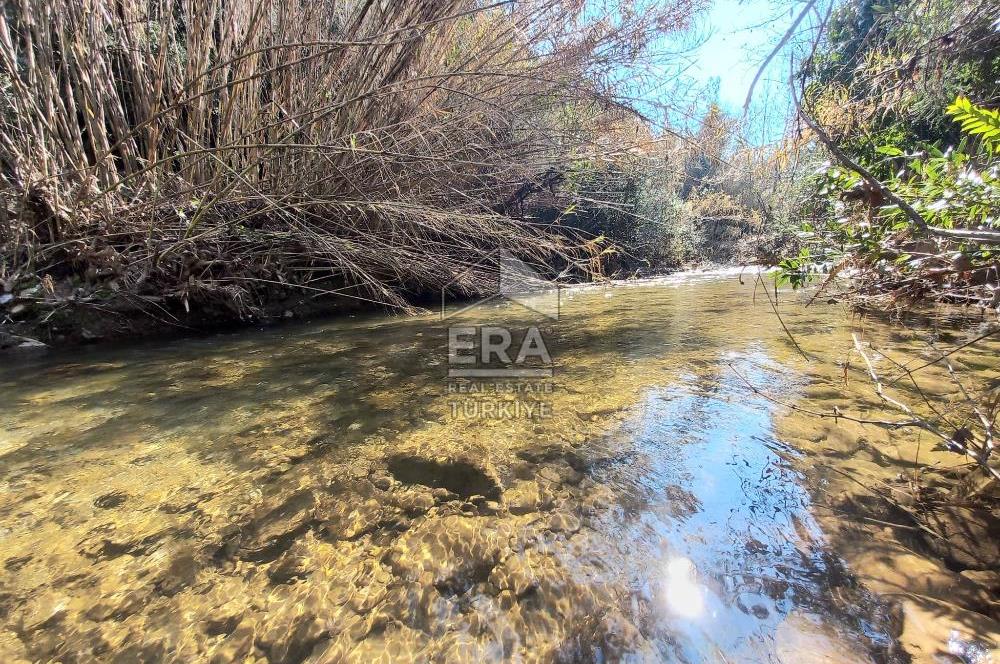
{"x":459,"y":648}
{"x":553,"y":452}
{"x":989,"y":579}
{"x":43,"y":611}
{"x":463,"y":477}
{"x":397,"y":644}
{"x":345,"y":521}
{"x":618,"y":640}
{"x":443,"y":495}
{"x":277,"y":524}
{"x":453,"y":552}
{"x":367,"y":597}
{"x":526,"y":496}
{"x":13,"y":343}
{"x":559,"y":473}
{"x":563,"y":522}
{"x":382,"y":482}
{"x":596,"y":498}
{"x":237,"y":645}
{"x":291,"y":628}
{"x":939,"y":631}
{"x":142,"y":647}
{"x":563,"y":621}
{"x":12,"y":650}
{"x":887,"y":567}
{"x":110,"y":500}
{"x":295,"y":563}
{"x":107,"y":541}
{"x":412,"y":501}
{"x":801,"y":639}
{"x":683,"y":503}
{"x":421,"y":607}
{"x":117,"y":605}
{"x":490,"y":508}
{"x":179,"y":569}
{"x":227,"y":606}
{"x":369,"y":586}
{"x":522,"y":572}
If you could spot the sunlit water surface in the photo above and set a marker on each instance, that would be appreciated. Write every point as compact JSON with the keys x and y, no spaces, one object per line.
{"x":322,"y":493}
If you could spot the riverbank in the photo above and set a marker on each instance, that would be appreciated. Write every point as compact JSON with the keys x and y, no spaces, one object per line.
{"x":38,"y":320}
{"x":916,"y":522}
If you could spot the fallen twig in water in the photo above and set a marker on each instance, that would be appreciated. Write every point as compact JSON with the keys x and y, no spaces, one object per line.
{"x":957,"y":442}
{"x":774,"y":307}
{"x":835,"y":414}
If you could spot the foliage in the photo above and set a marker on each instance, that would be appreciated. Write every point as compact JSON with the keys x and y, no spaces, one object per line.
{"x":885,"y":69}
{"x":957,"y":187}
{"x":977,"y":121}
{"x":680,"y":199}
{"x":891,"y":86}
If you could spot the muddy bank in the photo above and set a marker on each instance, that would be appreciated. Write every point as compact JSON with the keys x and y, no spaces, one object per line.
{"x":35,"y":319}
{"x":43,"y":316}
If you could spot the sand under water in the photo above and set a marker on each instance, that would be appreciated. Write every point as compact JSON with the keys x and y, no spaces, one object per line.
{"x":326,"y":493}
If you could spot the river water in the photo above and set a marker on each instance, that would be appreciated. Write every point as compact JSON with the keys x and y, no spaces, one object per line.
{"x":325,"y":492}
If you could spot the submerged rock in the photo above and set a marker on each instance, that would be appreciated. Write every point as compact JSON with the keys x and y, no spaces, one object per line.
{"x":453,"y":553}
{"x":459,"y":476}
{"x":296,"y":563}
{"x":563,"y":522}
{"x":14,"y":344}
{"x":521,"y":573}
{"x":110,"y":500}
{"x":237,"y":646}
{"x":801,"y":639}
{"x":526,"y":496}
{"x":290,"y":636}
{"x":341,"y":518}
{"x":12,"y":650}
{"x":43,"y":611}
{"x":414,"y":501}
{"x":179,"y":571}
{"x":277,"y":525}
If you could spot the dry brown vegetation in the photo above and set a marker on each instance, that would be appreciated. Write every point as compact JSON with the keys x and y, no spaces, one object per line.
{"x":168,"y":155}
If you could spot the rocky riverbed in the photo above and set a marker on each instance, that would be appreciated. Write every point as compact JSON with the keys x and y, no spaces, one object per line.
{"x":311,"y":495}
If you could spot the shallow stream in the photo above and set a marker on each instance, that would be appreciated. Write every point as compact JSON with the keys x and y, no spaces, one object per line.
{"x":324,"y":492}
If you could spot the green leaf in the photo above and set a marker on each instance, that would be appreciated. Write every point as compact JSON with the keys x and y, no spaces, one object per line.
{"x":890,"y":150}
{"x":977,"y":121}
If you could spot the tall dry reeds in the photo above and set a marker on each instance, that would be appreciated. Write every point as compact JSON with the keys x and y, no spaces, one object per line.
{"x":195,"y":151}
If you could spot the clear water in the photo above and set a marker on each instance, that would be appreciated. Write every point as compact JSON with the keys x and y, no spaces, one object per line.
{"x":322,"y":493}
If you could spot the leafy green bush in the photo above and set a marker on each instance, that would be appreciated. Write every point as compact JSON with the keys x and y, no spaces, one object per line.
{"x":954,"y":187}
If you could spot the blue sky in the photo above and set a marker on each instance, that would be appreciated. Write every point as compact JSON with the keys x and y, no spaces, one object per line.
{"x":737,"y":38}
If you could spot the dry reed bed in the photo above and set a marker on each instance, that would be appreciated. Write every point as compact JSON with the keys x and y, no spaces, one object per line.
{"x":173,"y":154}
